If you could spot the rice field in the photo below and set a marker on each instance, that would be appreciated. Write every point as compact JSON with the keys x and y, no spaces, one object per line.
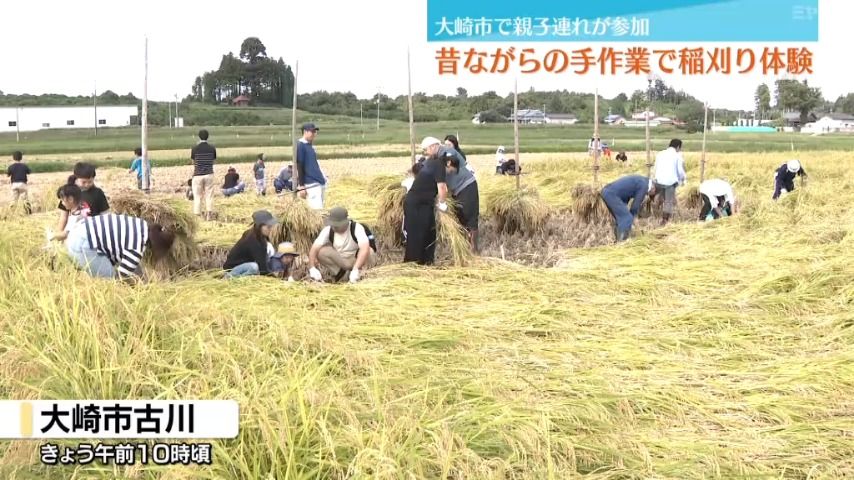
{"x":714,"y":350}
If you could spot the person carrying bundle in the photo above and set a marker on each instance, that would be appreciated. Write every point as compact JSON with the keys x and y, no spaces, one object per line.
{"x":112,"y":245}
{"x":463,"y":187}
{"x":429,"y":191}
{"x":784,"y":177}
{"x":718,"y":200}
{"x":618,"y":194}
{"x":343,"y":246}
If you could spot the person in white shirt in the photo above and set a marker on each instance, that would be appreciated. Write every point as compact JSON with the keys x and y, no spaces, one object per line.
{"x":499,"y":160}
{"x":669,"y":173}
{"x":718,"y":199}
{"x":344,"y":246}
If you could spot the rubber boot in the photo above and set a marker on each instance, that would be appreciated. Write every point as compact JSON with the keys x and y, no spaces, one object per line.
{"x":622,"y":236}
{"x":665,"y":218}
{"x":474,"y":243}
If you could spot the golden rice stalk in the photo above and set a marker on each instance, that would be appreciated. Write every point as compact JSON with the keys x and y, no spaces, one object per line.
{"x":381,"y":183}
{"x":390,"y":216}
{"x":297,"y":223}
{"x":165,"y":213}
{"x":588,"y":205}
{"x":451,"y":234}
{"x":693,"y":199}
{"x":518,"y":210}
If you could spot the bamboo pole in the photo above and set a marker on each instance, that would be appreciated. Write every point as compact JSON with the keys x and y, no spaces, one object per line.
{"x":146,"y":163}
{"x":596,"y":141}
{"x":703,"y":156}
{"x":516,"y":130}
{"x":411,"y":111}
{"x":294,"y":131}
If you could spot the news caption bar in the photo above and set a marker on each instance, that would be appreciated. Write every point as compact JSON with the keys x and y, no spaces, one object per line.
{"x":126,"y":419}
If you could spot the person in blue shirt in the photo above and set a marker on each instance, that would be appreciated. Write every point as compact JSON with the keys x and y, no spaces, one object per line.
{"x":312,"y":181}
{"x":618,"y":194}
{"x":136,"y":167}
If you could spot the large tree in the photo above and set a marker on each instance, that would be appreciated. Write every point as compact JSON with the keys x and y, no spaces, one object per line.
{"x":798,"y":96}
{"x":762,"y":99}
{"x":253,"y":50}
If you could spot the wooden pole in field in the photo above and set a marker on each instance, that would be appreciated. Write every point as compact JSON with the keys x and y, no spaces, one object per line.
{"x":703,"y":157}
{"x":596,"y":142}
{"x":411,"y":111}
{"x":294,"y":131}
{"x":649,"y":78}
{"x":516,"y":130}
{"x":146,"y":163}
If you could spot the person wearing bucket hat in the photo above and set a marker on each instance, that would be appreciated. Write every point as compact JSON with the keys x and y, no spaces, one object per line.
{"x":310,"y":178}
{"x":249,"y":256}
{"x":282,"y":260}
{"x":784,"y":177}
{"x":342,"y":246}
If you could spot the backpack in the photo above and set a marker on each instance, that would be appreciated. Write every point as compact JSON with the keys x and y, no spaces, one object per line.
{"x":371,"y":240}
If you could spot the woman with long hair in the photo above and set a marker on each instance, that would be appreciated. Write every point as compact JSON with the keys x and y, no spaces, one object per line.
{"x":250,"y":255}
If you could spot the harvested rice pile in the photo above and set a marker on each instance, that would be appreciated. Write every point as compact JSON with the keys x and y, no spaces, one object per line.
{"x":734,"y":360}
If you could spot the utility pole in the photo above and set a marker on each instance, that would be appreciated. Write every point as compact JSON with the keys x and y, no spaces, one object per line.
{"x":596,"y":141}
{"x":411,"y":112}
{"x":703,"y":157}
{"x":294,"y":131}
{"x":177,"y":123}
{"x":95,"y":102}
{"x":17,"y":125}
{"x":516,"y":130}
{"x":378,"y":109}
{"x":146,"y":163}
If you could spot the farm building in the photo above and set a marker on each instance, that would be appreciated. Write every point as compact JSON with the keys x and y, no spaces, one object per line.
{"x":832,"y":122}
{"x":643,"y":115}
{"x":29,"y":119}
{"x":530,"y":116}
{"x":561,"y":118}
{"x":241,"y":101}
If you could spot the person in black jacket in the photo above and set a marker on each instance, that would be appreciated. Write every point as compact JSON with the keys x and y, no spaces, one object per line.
{"x":250,"y":255}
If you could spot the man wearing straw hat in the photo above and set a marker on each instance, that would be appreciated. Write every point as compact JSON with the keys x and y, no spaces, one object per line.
{"x":343,"y":246}
{"x":669,"y":173}
{"x":618,"y":194}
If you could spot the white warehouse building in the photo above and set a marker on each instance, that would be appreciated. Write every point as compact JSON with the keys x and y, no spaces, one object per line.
{"x":28,"y":119}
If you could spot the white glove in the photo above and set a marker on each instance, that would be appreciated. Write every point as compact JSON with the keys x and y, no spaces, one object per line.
{"x":354,"y":275}
{"x":315,"y":275}
{"x":48,"y":233}
{"x":290,"y":279}
{"x":442,"y":206}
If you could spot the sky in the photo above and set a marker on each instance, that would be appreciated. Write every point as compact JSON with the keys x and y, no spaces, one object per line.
{"x":341,"y":45}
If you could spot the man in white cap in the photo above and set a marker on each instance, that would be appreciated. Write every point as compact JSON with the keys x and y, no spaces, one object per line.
{"x":718,"y":199}
{"x":784,"y":178}
{"x":499,"y":160}
{"x":429,"y":191}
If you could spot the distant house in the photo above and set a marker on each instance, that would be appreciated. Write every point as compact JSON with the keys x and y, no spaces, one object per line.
{"x":476,"y":119}
{"x":831,"y":122}
{"x":643,"y":115}
{"x":561,"y":118}
{"x":662,"y":120}
{"x":615,"y":120}
{"x":530,"y":116}
{"x":241,"y":101}
{"x":793,"y":119}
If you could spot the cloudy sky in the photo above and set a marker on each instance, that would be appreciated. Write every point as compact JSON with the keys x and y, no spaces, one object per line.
{"x":68,"y":47}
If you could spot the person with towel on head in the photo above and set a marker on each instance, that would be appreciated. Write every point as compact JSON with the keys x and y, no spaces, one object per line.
{"x":718,"y":199}
{"x":618,"y":194}
{"x":429,"y":192}
{"x":499,"y":160}
{"x":784,"y":177}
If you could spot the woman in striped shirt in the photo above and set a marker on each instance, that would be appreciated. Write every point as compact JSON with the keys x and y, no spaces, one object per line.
{"x":112,"y":245}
